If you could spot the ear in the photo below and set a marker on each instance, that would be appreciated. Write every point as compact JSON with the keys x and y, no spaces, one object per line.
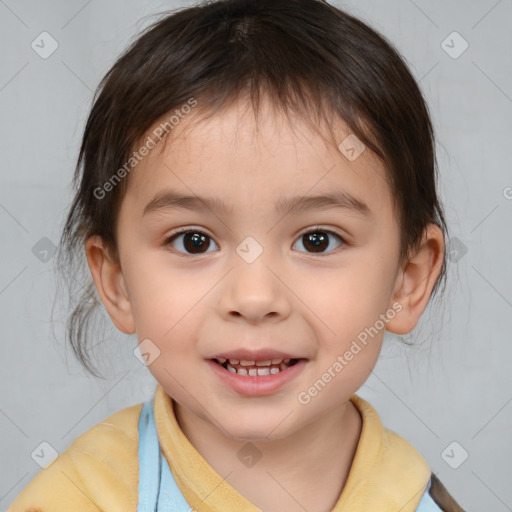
{"x":416,"y":279}
{"x":110,"y":284}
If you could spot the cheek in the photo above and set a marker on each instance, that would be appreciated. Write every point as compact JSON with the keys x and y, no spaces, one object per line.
{"x":348,"y":299}
{"x":165,"y":299}
{"x":346,"y":306}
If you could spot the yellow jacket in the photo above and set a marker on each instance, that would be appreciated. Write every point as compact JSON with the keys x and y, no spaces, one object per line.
{"x":100,"y":470}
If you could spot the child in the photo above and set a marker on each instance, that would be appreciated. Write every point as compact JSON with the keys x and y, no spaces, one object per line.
{"x":257,"y":203}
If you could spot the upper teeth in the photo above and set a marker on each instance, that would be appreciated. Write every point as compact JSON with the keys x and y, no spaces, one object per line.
{"x":252,"y":363}
{"x":246,"y":367}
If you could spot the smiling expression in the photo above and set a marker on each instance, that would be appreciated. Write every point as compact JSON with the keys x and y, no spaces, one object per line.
{"x":289,"y":247}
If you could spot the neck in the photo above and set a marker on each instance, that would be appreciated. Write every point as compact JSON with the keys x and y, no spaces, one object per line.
{"x":304,"y":471}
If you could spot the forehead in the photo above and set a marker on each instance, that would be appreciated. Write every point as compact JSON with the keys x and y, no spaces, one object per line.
{"x":238,"y":160}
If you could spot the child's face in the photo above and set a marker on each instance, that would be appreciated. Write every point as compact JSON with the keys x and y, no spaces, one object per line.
{"x":196,"y":301}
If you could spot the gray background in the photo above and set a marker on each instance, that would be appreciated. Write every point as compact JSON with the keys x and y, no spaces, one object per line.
{"x":453,"y":385}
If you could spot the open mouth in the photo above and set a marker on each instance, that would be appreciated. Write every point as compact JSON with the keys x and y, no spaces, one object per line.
{"x":256,"y":368}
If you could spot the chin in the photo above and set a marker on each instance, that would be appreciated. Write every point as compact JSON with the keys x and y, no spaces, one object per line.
{"x":257,"y":429}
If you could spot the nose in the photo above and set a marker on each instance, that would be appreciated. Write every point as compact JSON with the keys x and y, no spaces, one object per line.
{"x":254,"y":291}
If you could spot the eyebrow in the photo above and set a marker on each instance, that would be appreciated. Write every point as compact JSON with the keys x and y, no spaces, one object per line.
{"x":169,"y":200}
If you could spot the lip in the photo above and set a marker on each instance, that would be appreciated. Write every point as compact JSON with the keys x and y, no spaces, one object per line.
{"x":255,"y":355}
{"x":257,"y":385}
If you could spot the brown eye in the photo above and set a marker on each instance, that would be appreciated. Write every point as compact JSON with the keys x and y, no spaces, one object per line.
{"x":317,"y":241}
{"x":190,"y":242}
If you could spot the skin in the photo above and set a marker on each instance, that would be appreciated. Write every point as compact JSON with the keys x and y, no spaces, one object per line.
{"x":193,"y":306}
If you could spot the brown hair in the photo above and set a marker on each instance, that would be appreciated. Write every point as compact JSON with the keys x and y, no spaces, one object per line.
{"x":307,"y":56}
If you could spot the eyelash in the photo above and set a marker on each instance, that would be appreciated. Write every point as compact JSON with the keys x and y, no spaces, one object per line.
{"x":168,"y":240}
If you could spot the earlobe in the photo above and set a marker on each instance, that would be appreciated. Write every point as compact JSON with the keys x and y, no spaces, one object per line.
{"x":110,"y":284}
{"x":416,"y":281}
